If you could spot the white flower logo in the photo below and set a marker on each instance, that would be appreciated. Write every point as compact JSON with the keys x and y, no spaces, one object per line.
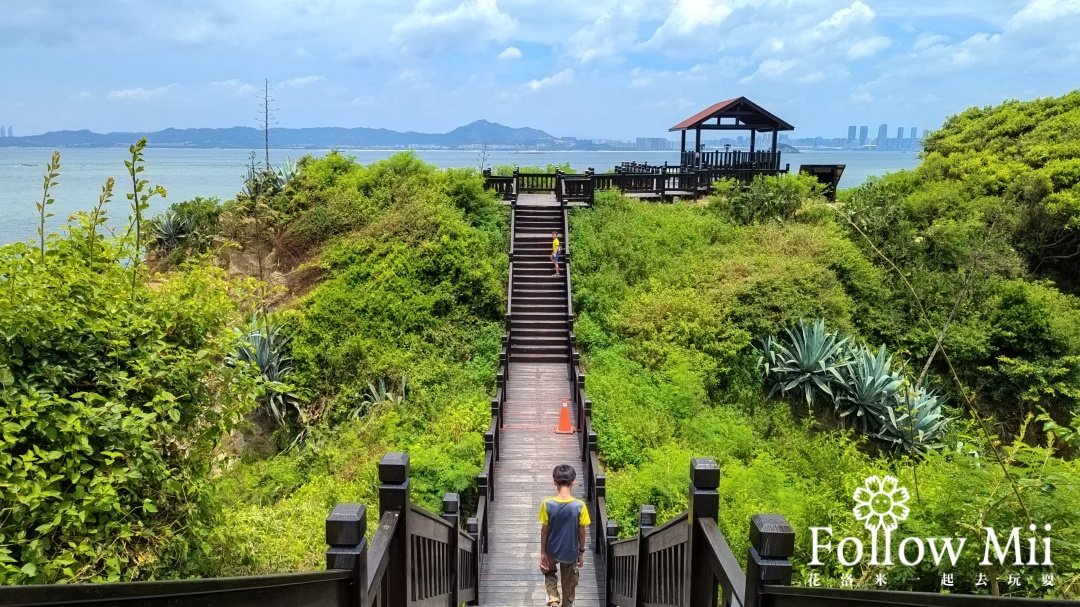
{"x":880,"y":504}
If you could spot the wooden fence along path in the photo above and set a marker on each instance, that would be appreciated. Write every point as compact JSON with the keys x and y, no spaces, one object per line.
{"x":537,"y":384}
{"x":417,"y":558}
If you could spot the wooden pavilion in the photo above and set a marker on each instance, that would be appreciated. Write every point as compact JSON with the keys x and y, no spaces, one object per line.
{"x":738,"y":114}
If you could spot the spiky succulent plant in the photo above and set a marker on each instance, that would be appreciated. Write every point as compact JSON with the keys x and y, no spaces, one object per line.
{"x":807,"y":364}
{"x":915,"y":420}
{"x":264,"y":347}
{"x":867,"y":389}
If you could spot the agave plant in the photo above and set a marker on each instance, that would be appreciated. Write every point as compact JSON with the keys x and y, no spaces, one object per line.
{"x":868,"y":387}
{"x":808,"y":363}
{"x":285,"y":173}
{"x":263,"y":346}
{"x":375,"y":397}
{"x":915,"y":421}
{"x":170,"y":230}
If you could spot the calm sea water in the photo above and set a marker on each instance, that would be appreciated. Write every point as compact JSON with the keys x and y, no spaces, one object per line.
{"x":187,"y":173}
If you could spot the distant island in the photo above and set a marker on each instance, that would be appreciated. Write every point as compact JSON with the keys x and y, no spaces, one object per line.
{"x":471,"y":136}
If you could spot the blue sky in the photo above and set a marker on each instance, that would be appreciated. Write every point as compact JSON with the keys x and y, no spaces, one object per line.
{"x":587,"y":68}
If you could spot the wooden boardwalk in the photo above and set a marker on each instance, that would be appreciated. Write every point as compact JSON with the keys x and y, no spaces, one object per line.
{"x":530,"y":449}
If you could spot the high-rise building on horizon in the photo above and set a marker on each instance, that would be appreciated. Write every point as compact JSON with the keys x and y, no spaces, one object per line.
{"x":3,"y":133}
{"x":862,"y":134}
{"x":899,"y":134}
{"x":851,"y":133}
{"x":882,"y":136}
{"x":913,"y":131}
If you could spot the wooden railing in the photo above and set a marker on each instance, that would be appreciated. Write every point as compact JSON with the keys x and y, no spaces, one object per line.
{"x":415,"y":558}
{"x":732,"y":159}
{"x":686,"y":561}
{"x":503,"y":185}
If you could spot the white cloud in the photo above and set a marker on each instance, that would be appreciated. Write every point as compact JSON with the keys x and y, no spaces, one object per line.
{"x":862,"y":97}
{"x":928,"y":40}
{"x":301,"y":81}
{"x":770,"y":68}
{"x":434,"y":26}
{"x":138,"y":94}
{"x":562,"y":77}
{"x":607,"y":37}
{"x":688,"y":18}
{"x":234,"y":86}
{"x":858,"y":12}
{"x":362,"y":101}
{"x":1044,"y":11}
{"x":510,"y":53}
{"x":868,"y":47}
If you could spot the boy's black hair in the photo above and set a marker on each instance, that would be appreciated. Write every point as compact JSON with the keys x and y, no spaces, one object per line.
{"x":564,"y":475}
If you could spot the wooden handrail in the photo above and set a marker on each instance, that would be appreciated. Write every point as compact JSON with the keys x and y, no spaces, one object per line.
{"x":725,"y":566}
{"x":379,"y":553}
{"x":270,"y":590}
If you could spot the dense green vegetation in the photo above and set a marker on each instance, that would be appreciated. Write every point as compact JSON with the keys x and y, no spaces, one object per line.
{"x":133,"y":442}
{"x":113,"y":400}
{"x":675,"y":300}
{"x":168,"y":420}
{"x":412,"y":263}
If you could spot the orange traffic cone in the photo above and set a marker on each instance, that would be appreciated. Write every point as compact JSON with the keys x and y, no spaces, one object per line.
{"x":565,"y":427}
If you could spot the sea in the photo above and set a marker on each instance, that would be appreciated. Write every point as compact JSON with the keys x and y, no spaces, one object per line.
{"x":187,"y":173}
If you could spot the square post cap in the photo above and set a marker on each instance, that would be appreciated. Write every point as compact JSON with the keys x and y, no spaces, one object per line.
{"x":346,"y":525}
{"x":394,"y":467}
{"x":704,"y":473}
{"x":647,"y":515}
{"x":450,"y":503}
{"x":772,"y":536}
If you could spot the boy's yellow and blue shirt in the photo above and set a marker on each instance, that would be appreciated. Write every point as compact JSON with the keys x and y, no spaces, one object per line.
{"x":563,"y":516}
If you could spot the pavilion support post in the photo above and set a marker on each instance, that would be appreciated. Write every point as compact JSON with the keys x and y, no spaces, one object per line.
{"x":682,"y":146}
{"x":753,"y":143}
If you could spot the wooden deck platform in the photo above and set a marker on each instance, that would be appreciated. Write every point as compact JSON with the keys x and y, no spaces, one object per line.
{"x":530,"y":449}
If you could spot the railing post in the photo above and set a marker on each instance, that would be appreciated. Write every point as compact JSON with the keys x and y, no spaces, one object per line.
{"x":451,"y":503}
{"x":395,"y":494}
{"x":772,"y":542}
{"x":646,"y":521}
{"x":493,"y":449}
{"x":611,"y":534}
{"x":345,"y":529}
{"x":704,"y":503}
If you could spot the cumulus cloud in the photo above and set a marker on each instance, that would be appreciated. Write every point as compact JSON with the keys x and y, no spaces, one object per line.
{"x":1044,"y":11}
{"x":861,"y":49}
{"x":301,"y":81}
{"x":138,"y":94}
{"x":607,"y":37}
{"x":433,"y":25}
{"x":234,"y":86}
{"x":770,"y":68}
{"x":688,"y":18}
{"x":510,"y":53}
{"x":562,"y":77}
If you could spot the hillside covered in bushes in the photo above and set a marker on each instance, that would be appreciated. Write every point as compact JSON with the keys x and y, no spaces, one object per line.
{"x":199,"y":414}
{"x":692,"y":316}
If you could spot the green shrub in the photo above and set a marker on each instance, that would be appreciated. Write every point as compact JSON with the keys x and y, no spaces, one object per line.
{"x":112,"y":401}
{"x":765,"y":198}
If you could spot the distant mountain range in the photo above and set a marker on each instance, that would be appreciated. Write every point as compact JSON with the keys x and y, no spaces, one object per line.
{"x":479,"y":133}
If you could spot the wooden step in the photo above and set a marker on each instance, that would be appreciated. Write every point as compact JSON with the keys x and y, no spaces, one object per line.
{"x":538,"y":358}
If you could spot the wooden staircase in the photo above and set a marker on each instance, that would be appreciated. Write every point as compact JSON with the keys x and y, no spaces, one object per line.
{"x":538,"y":299}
